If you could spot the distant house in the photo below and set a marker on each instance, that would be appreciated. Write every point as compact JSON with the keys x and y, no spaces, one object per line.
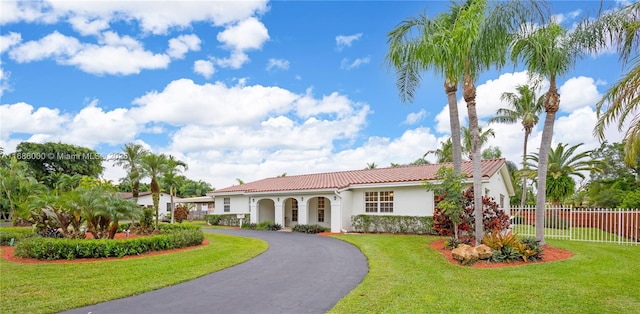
{"x":145,"y":199}
{"x":330,"y":199}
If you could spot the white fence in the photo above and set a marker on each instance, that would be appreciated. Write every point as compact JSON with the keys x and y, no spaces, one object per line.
{"x":620,"y":226}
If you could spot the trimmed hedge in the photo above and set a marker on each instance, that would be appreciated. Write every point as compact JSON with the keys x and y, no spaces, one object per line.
{"x":226,"y":220}
{"x":170,"y":237}
{"x":393,"y":224}
{"x":17,"y":234}
{"x":313,"y":229}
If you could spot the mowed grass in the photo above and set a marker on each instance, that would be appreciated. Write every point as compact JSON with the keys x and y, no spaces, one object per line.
{"x":49,"y":288}
{"x":407,"y":276}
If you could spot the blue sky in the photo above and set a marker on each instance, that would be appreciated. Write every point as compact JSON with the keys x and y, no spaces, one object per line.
{"x":251,"y":89}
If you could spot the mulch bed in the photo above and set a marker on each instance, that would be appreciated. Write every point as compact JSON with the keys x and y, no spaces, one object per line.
{"x":8,"y":254}
{"x":549,"y":254}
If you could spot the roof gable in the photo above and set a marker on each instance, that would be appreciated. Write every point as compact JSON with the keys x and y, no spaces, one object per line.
{"x":344,"y":179}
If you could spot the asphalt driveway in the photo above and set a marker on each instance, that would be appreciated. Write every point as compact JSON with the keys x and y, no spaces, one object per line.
{"x":299,"y":273}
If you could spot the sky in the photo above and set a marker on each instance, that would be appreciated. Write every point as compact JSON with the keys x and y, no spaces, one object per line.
{"x":254,"y":89}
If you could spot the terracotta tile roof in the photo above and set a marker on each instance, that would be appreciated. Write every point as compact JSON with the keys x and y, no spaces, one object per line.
{"x":343,"y":179}
{"x":128,"y":195}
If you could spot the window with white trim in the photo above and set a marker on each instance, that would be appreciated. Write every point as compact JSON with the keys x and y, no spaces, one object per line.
{"x":378,"y":202}
{"x":227,"y":204}
{"x":294,"y":209}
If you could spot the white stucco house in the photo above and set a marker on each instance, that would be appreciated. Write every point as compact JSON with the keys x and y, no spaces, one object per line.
{"x":330,"y":199}
{"x":145,"y":199}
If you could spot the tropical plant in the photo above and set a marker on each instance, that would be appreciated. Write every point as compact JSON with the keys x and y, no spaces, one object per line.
{"x":564,"y":164}
{"x":16,"y":184}
{"x":621,"y":102}
{"x":192,"y":188}
{"x":526,"y":108}
{"x":467,"y":148}
{"x":153,"y":166}
{"x":547,"y":51}
{"x":449,"y":195}
{"x":371,"y":165}
{"x":444,"y":153}
{"x":130,"y":159}
{"x":171,"y":180}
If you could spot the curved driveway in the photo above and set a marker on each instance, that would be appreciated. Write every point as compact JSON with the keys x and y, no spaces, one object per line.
{"x":299,"y":273}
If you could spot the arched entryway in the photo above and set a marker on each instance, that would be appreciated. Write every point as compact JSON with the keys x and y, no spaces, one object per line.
{"x":266,"y":210}
{"x":291,"y":212}
{"x":319,"y":211}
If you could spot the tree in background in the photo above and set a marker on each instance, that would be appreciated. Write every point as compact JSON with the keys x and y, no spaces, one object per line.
{"x":171,"y":180}
{"x":466,"y":140}
{"x":526,"y":108}
{"x":49,"y":158}
{"x":564,"y":164}
{"x":191,"y":188}
{"x":130,"y":159}
{"x":618,"y":183}
{"x":153,"y":166}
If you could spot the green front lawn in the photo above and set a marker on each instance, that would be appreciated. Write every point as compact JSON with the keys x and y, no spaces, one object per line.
{"x":47,"y":288}
{"x":407,"y":276}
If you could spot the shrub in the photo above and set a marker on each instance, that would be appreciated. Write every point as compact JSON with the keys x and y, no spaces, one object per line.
{"x":312,"y":229}
{"x":17,"y":234}
{"x":170,"y":237}
{"x":268,"y":225}
{"x":392,"y":224}
{"x":181,"y":213}
{"x":250,"y":226}
{"x":453,"y":243}
{"x":507,"y":247}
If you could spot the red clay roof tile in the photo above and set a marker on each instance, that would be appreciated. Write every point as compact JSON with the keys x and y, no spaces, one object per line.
{"x":343,"y":179}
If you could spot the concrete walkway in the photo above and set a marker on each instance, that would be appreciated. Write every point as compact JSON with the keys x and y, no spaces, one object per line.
{"x":299,"y":273}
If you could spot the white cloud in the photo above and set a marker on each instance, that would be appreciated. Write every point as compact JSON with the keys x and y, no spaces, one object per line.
{"x":179,"y":46}
{"x":346,"y":40}
{"x":204,"y":68}
{"x":92,"y":125}
{"x":88,"y":17}
{"x":247,"y":34}
{"x":4,"y":81}
{"x":120,"y":55}
{"x":559,"y":18}
{"x":415,"y":117}
{"x":578,"y":92}
{"x":348,"y":65}
{"x":184,"y":102}
{"x":11,"y":39}
{"x":281,"y":64}
{"x":22,"y":118}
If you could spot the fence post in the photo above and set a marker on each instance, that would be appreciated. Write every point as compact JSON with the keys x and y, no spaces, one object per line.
{"x":570,"y":222}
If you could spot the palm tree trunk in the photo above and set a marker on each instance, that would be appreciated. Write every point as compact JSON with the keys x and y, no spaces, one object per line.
{"x":476,"y":161}
{"x":155,"y":194}
{"x":454,"y":120}
{"x":552,"y":102}
{"x":172,"y":205}
{"x":523,"y":199}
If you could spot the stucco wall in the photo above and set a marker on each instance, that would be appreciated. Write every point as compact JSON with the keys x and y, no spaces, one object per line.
{"x":497,"y":187}
{"x":239,"y":204}
{"x":407,"y":201}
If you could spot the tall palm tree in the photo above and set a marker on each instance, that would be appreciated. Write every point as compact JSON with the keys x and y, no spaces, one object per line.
{"x":153,"y":166}
{"x":428,"y":51}
{"x":172,"y":180}
{"x":462,"y":44}
{"x":548,"y":51}
{"x":621,"y":102}
{"x":130,"y":159}
{"x":564,"y":163}
{"x":526,"y":108}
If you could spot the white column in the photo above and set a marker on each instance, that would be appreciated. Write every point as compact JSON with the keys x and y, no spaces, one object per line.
{"x":279,"y":214}
{"x":254,"y":211}
{"x":303,"y":212}
{"x":336,"y":215}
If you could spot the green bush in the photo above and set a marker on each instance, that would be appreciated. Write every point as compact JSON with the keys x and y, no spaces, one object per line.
{"x":312,"y":229}
{"x":170,"y":237}
{"x":226,"y":220}
{"x":268,"y":225}
{"x":250,"y":226}
{"x":17,"y":234}
{"x":393,"y":224}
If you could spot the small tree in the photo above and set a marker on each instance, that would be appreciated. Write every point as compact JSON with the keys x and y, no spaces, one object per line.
{"x":450,"y":193}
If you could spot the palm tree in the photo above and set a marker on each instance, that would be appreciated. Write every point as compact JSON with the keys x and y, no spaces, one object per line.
{"x":466,"y":140}
{"x":461,"y":45}
{"x":171,"y":180}
{"x":622,"y":28}
{"x":371,"y":165}
{"x":549,"y":51}
{"x":195,"y":188}
{"x":526,"y":108}
{"x":444,"y":153}
{"x":153,"y":166}
{"x":130,"y":160}
{"x":428,"y":51}
{"x":564,"y":163}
